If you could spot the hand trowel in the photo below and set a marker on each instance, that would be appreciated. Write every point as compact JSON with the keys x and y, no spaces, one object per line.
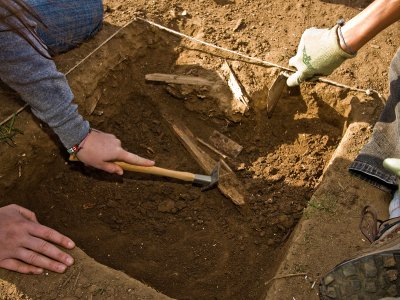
{"x":275,"y":92}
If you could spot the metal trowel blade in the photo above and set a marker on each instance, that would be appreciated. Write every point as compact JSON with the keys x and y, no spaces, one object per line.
{"x":275,"y":92}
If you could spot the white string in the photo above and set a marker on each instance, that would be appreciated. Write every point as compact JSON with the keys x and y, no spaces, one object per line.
{"x":263,"y":62}
{"x":255,"y":59}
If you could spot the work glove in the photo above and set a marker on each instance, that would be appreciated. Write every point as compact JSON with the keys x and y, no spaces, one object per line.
{"x":318,"y":54}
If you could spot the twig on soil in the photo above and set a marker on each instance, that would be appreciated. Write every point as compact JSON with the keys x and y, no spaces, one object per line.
{"x":285,"y":276}
{"x":66,"y":281}
{"x":211,"y":148}
{"x":312,"y":287}
{"x":260,"y":61}
{"x":76,"y":280}
{"x":13,"y":115}
{"x":226,"y":166}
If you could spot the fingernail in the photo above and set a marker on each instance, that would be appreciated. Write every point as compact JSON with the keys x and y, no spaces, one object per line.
{"x":61,"y":268}
{"x":38,"y":271}
{"x":71,"y":244}
{"x":69,"y":261}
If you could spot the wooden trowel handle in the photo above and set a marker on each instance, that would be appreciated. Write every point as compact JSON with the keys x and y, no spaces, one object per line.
{"x":185,"y":176}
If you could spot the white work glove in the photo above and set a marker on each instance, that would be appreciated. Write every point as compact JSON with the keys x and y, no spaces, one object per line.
{"x":318,"y":54}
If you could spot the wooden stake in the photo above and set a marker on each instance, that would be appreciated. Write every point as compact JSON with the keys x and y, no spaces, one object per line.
{"x":178,"y":79}
{"x":241,"y":101}
{"x":225,"y":144}
{"x":228,"y":184}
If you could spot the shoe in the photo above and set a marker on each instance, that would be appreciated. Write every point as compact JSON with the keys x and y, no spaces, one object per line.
{"x":374,"y":273}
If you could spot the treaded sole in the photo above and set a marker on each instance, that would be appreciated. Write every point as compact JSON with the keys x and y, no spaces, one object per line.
{"x":368,"y":277}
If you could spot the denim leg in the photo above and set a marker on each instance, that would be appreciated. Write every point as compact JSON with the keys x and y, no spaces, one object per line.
{"x":385,"y":140}
{"x":69,"y":22}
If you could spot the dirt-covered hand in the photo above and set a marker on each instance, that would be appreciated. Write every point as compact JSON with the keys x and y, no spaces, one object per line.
{"x":100,"y":149}
{"x":319,"y":53}
{"x":29,"y":247}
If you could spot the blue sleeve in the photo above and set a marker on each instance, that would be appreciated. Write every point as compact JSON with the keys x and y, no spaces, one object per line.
{"x":45,"y":89}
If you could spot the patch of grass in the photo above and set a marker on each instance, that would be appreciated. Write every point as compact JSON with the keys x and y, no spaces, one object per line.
{"x":8,"y":131}
{"x":326,"y":203}
{"x":306,"y":237}
{"x":299,"y":268}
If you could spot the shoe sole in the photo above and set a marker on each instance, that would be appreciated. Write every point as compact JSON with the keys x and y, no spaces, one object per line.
{"x":369,"y":277}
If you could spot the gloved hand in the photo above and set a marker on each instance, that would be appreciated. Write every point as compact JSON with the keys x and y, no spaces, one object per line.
{"x":319,"y":53}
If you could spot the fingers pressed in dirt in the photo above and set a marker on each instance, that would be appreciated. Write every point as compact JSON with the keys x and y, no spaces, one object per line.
{"x":35,"y":259}
{"x":20,"y":267}
{"x":29,"y":247}
{"x":51,"y":235}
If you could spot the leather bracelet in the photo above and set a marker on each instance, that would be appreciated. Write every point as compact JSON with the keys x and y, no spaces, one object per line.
{"x":341,"y":22}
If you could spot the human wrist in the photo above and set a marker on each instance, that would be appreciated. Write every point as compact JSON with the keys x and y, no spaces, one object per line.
{"x":346,"y":42}
{"x":334,"y":45}
{"x":78,"y":146}
{"x":350,"y":38}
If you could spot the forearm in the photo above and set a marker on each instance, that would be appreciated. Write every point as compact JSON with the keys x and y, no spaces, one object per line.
{"x":372,"y":20}
{"x":39,"y":83}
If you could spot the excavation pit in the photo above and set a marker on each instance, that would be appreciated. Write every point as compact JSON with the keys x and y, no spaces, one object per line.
{"x":183,"y":242}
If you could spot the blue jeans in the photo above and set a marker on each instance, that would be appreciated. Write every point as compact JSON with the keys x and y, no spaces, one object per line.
{"x":385,"y":139}
{"x":69,"y":22}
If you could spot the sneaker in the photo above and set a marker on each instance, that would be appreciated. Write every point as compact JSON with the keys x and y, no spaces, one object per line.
{"x":374,"y":273}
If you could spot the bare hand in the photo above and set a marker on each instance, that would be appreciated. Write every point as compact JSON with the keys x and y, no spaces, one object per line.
{"x":27,"y":246}
{"x":100,"y":149}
